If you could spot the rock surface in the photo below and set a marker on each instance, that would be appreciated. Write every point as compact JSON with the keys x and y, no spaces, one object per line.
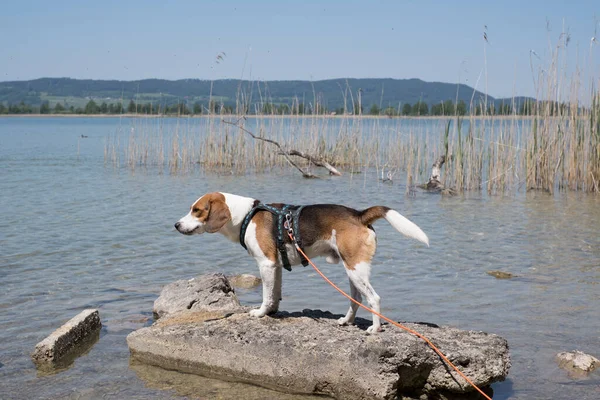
{"x":501,"y":274}
{"x":308,"y":352}
{"x":244,"y":281}
{"x":211,"y":292}
{"x":63,"y":342}
{"x":577,"y":362}
{"x":191,"y":386}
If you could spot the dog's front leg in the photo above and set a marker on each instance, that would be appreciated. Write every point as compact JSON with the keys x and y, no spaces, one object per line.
{"x":270,"y":274}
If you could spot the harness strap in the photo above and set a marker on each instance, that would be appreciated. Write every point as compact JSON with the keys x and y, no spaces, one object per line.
{"x":284,"y":215}
{"x":280,"y":241}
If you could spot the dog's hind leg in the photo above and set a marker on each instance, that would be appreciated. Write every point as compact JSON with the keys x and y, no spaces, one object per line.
{"x":356,"y":249}
{"x":351,"y":314}
{"x":359,"y":275}
{"x":270,"y":273}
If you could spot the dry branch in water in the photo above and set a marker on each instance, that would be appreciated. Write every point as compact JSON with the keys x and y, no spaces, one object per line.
{"x":287,"y":153}
{"x":319,"y":162}
{"x":434,"y":183}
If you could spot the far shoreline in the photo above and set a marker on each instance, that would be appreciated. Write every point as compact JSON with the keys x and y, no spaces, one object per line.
{"x":266,"y":116}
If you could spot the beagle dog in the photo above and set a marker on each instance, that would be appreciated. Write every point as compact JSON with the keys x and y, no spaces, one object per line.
{"x":333,"y":231}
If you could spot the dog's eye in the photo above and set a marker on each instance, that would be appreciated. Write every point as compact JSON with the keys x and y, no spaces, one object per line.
{"x":195,"y":210}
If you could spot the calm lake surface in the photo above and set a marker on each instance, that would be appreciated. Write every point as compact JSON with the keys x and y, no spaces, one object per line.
{"x":76,"y":233}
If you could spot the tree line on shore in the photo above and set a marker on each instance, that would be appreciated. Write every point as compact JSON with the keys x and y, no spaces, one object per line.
{"x":446,"y":108}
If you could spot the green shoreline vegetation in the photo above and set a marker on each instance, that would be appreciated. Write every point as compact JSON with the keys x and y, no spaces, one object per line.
{"x":418,"y":109}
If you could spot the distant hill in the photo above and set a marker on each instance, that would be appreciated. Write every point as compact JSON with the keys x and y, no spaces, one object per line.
{"x":329,"y":93}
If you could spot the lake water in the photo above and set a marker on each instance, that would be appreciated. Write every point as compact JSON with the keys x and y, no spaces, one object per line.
{"x":76,"y":233}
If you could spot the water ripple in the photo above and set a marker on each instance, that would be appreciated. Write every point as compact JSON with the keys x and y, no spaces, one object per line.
{"x":74,"y":234}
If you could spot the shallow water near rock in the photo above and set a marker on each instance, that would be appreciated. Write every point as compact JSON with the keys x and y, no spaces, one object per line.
{"x":76,"y":233}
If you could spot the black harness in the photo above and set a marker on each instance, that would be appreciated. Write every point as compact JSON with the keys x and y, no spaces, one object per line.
{"x":287,"y":221}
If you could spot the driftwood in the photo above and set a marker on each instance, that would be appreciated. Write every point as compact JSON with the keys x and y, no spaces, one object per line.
{"x":319,"y":162}
{"x":287,"y":153}
{"x":434,"y":184}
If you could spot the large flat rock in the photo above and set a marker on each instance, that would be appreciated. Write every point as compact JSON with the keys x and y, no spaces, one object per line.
{"x":308,"y":352}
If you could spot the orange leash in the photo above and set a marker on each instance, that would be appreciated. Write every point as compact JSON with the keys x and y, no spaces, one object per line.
{"x":433,"y":347}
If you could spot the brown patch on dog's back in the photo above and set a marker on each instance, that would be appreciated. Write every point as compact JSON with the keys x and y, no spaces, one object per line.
{"x":355,"y":240}
{"x":319,"y":220}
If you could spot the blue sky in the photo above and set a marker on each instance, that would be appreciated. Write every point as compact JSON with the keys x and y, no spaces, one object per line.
{"x":308,"y":40}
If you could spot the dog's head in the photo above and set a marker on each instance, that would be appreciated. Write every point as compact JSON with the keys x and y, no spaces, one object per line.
{"x":208,"y":214}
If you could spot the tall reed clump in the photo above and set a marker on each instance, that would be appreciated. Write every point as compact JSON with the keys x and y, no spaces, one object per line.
{"x":562,"y":147}
{"x":495,"y":154}
{"x":593,"y":178}
{"x":555,"y":147}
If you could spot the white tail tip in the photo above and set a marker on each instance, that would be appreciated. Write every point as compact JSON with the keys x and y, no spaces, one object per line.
{"x":406,"y":227}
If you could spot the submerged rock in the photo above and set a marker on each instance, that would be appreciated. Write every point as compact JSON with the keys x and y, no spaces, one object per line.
{"x":577,"y":362}
{"x":308,"y":352}
{"x":67,"y":342}
{"x":501,"y":274}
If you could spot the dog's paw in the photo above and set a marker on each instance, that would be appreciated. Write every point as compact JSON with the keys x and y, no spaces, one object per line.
{"x":259,"y":313}
{"x":344,"y":321}
{"x":374,"y":329}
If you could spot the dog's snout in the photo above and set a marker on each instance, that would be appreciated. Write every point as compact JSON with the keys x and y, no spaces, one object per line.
{"x":177,"y":225}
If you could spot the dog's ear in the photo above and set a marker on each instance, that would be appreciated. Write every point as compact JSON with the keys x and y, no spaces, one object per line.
{"x":218,"y":215}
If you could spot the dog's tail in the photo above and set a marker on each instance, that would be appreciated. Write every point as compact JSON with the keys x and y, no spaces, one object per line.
{"x":399,"y":222}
